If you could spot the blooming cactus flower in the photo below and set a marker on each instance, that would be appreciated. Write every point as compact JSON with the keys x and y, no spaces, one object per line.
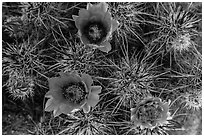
{"x":70,"y":92}
{"x":150,"y":113}
{"x":95,"y":26}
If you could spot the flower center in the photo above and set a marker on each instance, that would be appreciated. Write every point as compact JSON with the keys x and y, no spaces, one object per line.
{"x":95,"y":32}
{"x":149,"y":113}
{"x":194,"y":100}
{"x":75,"y":93}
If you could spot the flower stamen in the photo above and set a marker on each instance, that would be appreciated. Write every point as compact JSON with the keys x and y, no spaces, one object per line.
{"x":75,"y":93}
{"x":95,"y":32}
{"x":149,"y":113}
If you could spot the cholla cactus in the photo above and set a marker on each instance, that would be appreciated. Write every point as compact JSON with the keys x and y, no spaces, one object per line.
{"x":175,"y":22}
{"x":129,"y":14}
{"x":80,"y":60}
{"x":134,"y":79}
{"x":20,"y":87}
{"x":21,"y":64}
{"x":175,"y":31}
{"x":87,"y":124}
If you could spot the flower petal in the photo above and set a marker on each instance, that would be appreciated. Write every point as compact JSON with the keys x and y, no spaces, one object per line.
{"x":84,"y":40}
{"x":84,"y":14}
{"x":57,"y":112}
{"x":87,"y":80}
{"x":75,"y":110}
{"x":55,"y":83}
{"x":93,"y":99}
{"x":51,"y":104}
{"x":96,"y":89}
{"x":165,"y":107}
{"x":107,"y":20}
{"x":96,"y":16}
{"x":137,"y":123}
{"x":66,"y":108}
{"x":105,"y":47}
{"x":114,"y":24}
{"x":70,"y":77}
{"x":86,"y":108}
{"x":56,"y":94}
{"x":97,"y":11}
{"x":133,"y":111}
{"x":102,"y":7}
{"x":165,"y":111}
{"x":133,"y":118}
{"x":89,"y":5}
{"x":48,"y":105}
{"x":76,"y":19}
